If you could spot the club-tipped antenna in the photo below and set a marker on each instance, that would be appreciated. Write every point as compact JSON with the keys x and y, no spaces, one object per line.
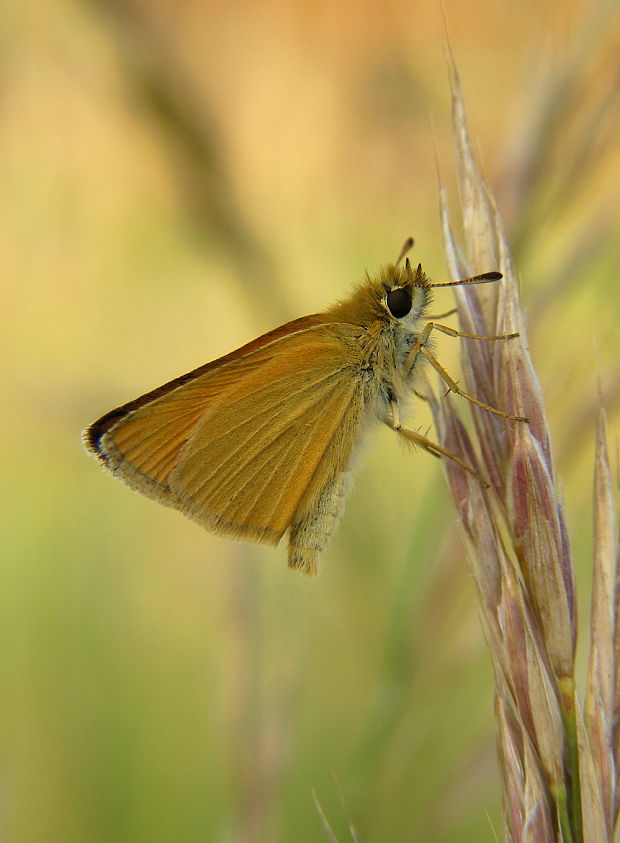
{"x":483,"y":278}
{"x":407,"y":247}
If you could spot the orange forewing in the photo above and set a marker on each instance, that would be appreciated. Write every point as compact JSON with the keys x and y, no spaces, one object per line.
{"x":240,"y":443}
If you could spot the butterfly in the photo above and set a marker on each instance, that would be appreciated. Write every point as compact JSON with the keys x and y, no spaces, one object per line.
{"x":261,"y":442}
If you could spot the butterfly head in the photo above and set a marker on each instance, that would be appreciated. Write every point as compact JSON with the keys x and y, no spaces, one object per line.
{"x":404,"y":292}
{"x":397,"y":294}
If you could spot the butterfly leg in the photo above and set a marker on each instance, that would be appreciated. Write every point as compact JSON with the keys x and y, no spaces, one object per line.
{"x":420,"y":347}
{"x":312,"y":527}
{"x":454,"y":387}
{"x":413,"y":438}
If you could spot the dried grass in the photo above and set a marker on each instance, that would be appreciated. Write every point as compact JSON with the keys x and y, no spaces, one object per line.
{"x":558,"y":765}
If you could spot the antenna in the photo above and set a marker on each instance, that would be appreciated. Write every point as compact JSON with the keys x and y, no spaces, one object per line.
{"x":407,"y":247}
{"x":484,"y":278}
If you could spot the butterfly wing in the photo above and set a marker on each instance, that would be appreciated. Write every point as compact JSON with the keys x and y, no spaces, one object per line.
{"x":254,"y":454}
{"x":141,"y":440}
{"x":237,"y":444}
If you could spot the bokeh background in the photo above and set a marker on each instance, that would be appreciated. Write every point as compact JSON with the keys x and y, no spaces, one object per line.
{"x":178,"y":177}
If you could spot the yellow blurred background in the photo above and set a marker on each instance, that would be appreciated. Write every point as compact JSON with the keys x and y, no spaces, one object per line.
{"x":179,"y":177}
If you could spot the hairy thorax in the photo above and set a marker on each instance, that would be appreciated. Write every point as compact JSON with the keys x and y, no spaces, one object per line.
{"x":389,"y":371}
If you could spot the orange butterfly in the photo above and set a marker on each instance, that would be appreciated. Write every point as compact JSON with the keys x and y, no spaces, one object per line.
{"x":261,"y":440}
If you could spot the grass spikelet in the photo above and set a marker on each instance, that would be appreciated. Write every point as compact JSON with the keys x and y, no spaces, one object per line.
{"x":559,"y":766}
{"x":599,"y":770}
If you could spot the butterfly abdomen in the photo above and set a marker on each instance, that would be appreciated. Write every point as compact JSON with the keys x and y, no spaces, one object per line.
{"x":309,"y":533}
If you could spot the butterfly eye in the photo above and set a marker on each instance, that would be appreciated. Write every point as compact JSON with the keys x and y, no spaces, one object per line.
{"x":399,"y":303}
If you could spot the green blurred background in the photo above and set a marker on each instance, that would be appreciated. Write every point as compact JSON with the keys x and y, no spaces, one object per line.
{"x":179,"y":177}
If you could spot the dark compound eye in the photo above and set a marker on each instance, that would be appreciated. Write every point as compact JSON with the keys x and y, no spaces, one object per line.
{"x":399,"y":303}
